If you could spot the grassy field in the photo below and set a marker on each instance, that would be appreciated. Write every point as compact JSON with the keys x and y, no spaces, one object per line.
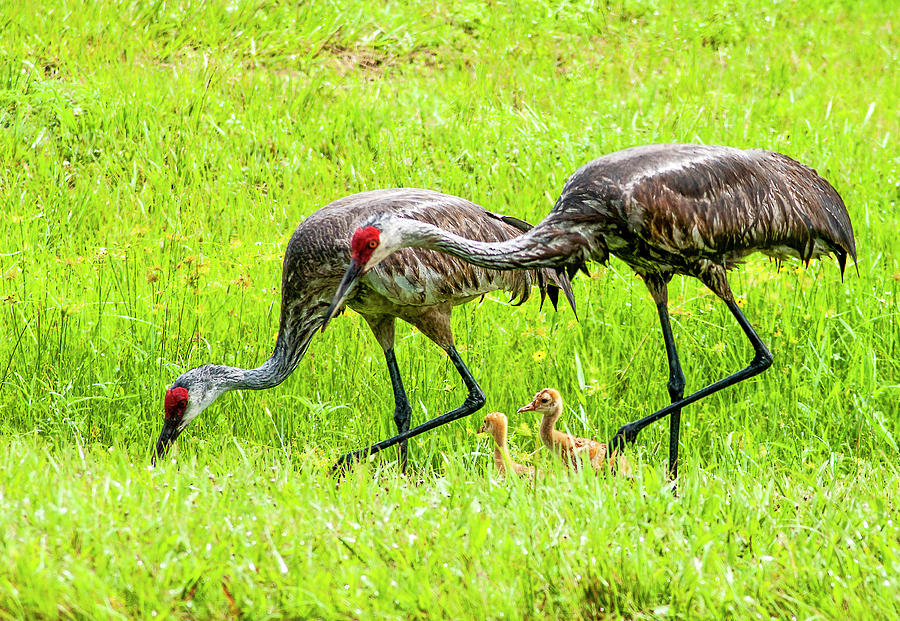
{"x":157,"y":156}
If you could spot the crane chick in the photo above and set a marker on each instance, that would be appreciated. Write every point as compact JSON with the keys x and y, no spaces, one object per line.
{"x":495,"y":424}
{"x":571,"y":449}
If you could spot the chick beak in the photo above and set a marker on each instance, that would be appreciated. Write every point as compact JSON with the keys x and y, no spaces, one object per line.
{"x":531,"y":407}
{"x":483,"y":428}
{"x":351,"y":276}
{"x":166,"y":438}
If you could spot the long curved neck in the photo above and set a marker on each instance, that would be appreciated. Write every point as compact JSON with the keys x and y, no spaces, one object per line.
{"x":548,"y":426}
{"x":501,"y":452}
{"x":278,"y":367}
{"x":292,"y":342}
{"x":536,"y":248}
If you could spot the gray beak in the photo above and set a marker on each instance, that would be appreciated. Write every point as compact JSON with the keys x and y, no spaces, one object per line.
{"x":351,"y":277}
{"x":166,"y":439}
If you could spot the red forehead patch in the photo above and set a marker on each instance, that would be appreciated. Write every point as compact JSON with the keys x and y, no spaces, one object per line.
{"x":174,"y":396}
{"x":361,"y":245}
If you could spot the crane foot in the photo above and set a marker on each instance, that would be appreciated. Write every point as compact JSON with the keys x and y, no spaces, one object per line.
{"x":626,"y":434}
{"x":343,"y":465}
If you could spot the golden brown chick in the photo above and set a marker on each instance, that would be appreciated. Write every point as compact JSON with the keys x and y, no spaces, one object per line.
{"x":495,"y":424}
{"x":571,"y":449}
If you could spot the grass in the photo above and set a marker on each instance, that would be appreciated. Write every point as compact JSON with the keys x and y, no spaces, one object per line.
{"x":260,"y":539}
{"x":157,"y":157}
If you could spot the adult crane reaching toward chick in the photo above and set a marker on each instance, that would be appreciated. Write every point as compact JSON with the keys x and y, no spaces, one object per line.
{"x":419,"y":286}
{"x":667,"y":209}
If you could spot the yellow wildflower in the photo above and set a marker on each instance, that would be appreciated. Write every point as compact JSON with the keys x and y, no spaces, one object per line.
{"x":242,"y":281}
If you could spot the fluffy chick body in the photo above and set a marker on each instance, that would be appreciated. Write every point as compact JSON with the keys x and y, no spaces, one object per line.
{"x":572,"y":450}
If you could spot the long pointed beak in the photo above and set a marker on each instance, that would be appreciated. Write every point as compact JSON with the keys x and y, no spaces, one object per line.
{"x":527,"y":408}
{"x":166,"y":438}
{"x":351,"y":276}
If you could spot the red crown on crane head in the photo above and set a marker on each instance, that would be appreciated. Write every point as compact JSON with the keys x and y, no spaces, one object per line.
{"x":176,"y":402}
{"x":365,"y":240}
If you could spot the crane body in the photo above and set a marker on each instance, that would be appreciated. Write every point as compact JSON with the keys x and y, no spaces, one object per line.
{"x":666,"y":209}
{"x":418,"y":286}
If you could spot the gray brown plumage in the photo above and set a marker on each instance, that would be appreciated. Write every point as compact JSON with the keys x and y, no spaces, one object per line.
{"x":667,"y":209}
{"x":418,"y":286}
{"x":696,"y":210}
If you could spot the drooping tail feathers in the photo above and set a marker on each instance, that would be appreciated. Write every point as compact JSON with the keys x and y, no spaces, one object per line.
{"x":550,"y":281}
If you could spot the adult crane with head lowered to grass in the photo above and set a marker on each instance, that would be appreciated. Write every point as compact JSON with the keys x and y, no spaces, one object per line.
{"x":665,"y":209}
{"x":419,"y":286}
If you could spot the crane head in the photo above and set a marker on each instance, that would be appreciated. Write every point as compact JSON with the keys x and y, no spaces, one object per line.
{"x":546,"y":401}
{"x":175,"y":405}
{"x":493,"y":423}
{"x":371,"y":244}
{"x":189,"y":395}
{"x":367,"y":249}
{"x":364,"y":243}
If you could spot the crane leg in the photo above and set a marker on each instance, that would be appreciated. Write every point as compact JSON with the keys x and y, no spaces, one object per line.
{"x":762,"y":360}
{"x":659,"y":289}
{"x":402,"y":408}
{"x":675,"y":386}
{"x":474,"y":402}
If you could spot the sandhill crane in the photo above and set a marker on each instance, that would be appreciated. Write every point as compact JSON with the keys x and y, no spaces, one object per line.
{"x":571,"y":449}
{"x":496,"y":424}
{"x":419,"y":286}
{"x":666,"y":209}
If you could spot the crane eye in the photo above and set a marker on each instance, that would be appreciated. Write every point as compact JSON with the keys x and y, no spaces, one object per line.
{"x":373,"y":243}
{"x":182,"y":403}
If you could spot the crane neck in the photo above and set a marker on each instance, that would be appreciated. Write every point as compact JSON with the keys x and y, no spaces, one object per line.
{"x":290,"y":347}
{"x":533,"y":249}
{"x":276,"y":369}
{"x":501,"y":452}
{"x":502,"y":459}
{"x":548,"y":426}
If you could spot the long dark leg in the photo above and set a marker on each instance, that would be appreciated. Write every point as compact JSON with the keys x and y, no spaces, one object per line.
{"x":761,"y":361}
{"x":675,"y":386}
{"x":659,"y":289}
{"x":402,"y":409}
{"x":474,"y":402}
{"x":383,"y":328}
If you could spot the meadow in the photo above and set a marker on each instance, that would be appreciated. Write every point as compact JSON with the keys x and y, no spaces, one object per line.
{"x":155,"y":158}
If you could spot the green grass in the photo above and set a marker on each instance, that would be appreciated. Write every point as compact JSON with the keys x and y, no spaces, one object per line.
{"x":101,"y":535}
{"x":156,"y":158}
